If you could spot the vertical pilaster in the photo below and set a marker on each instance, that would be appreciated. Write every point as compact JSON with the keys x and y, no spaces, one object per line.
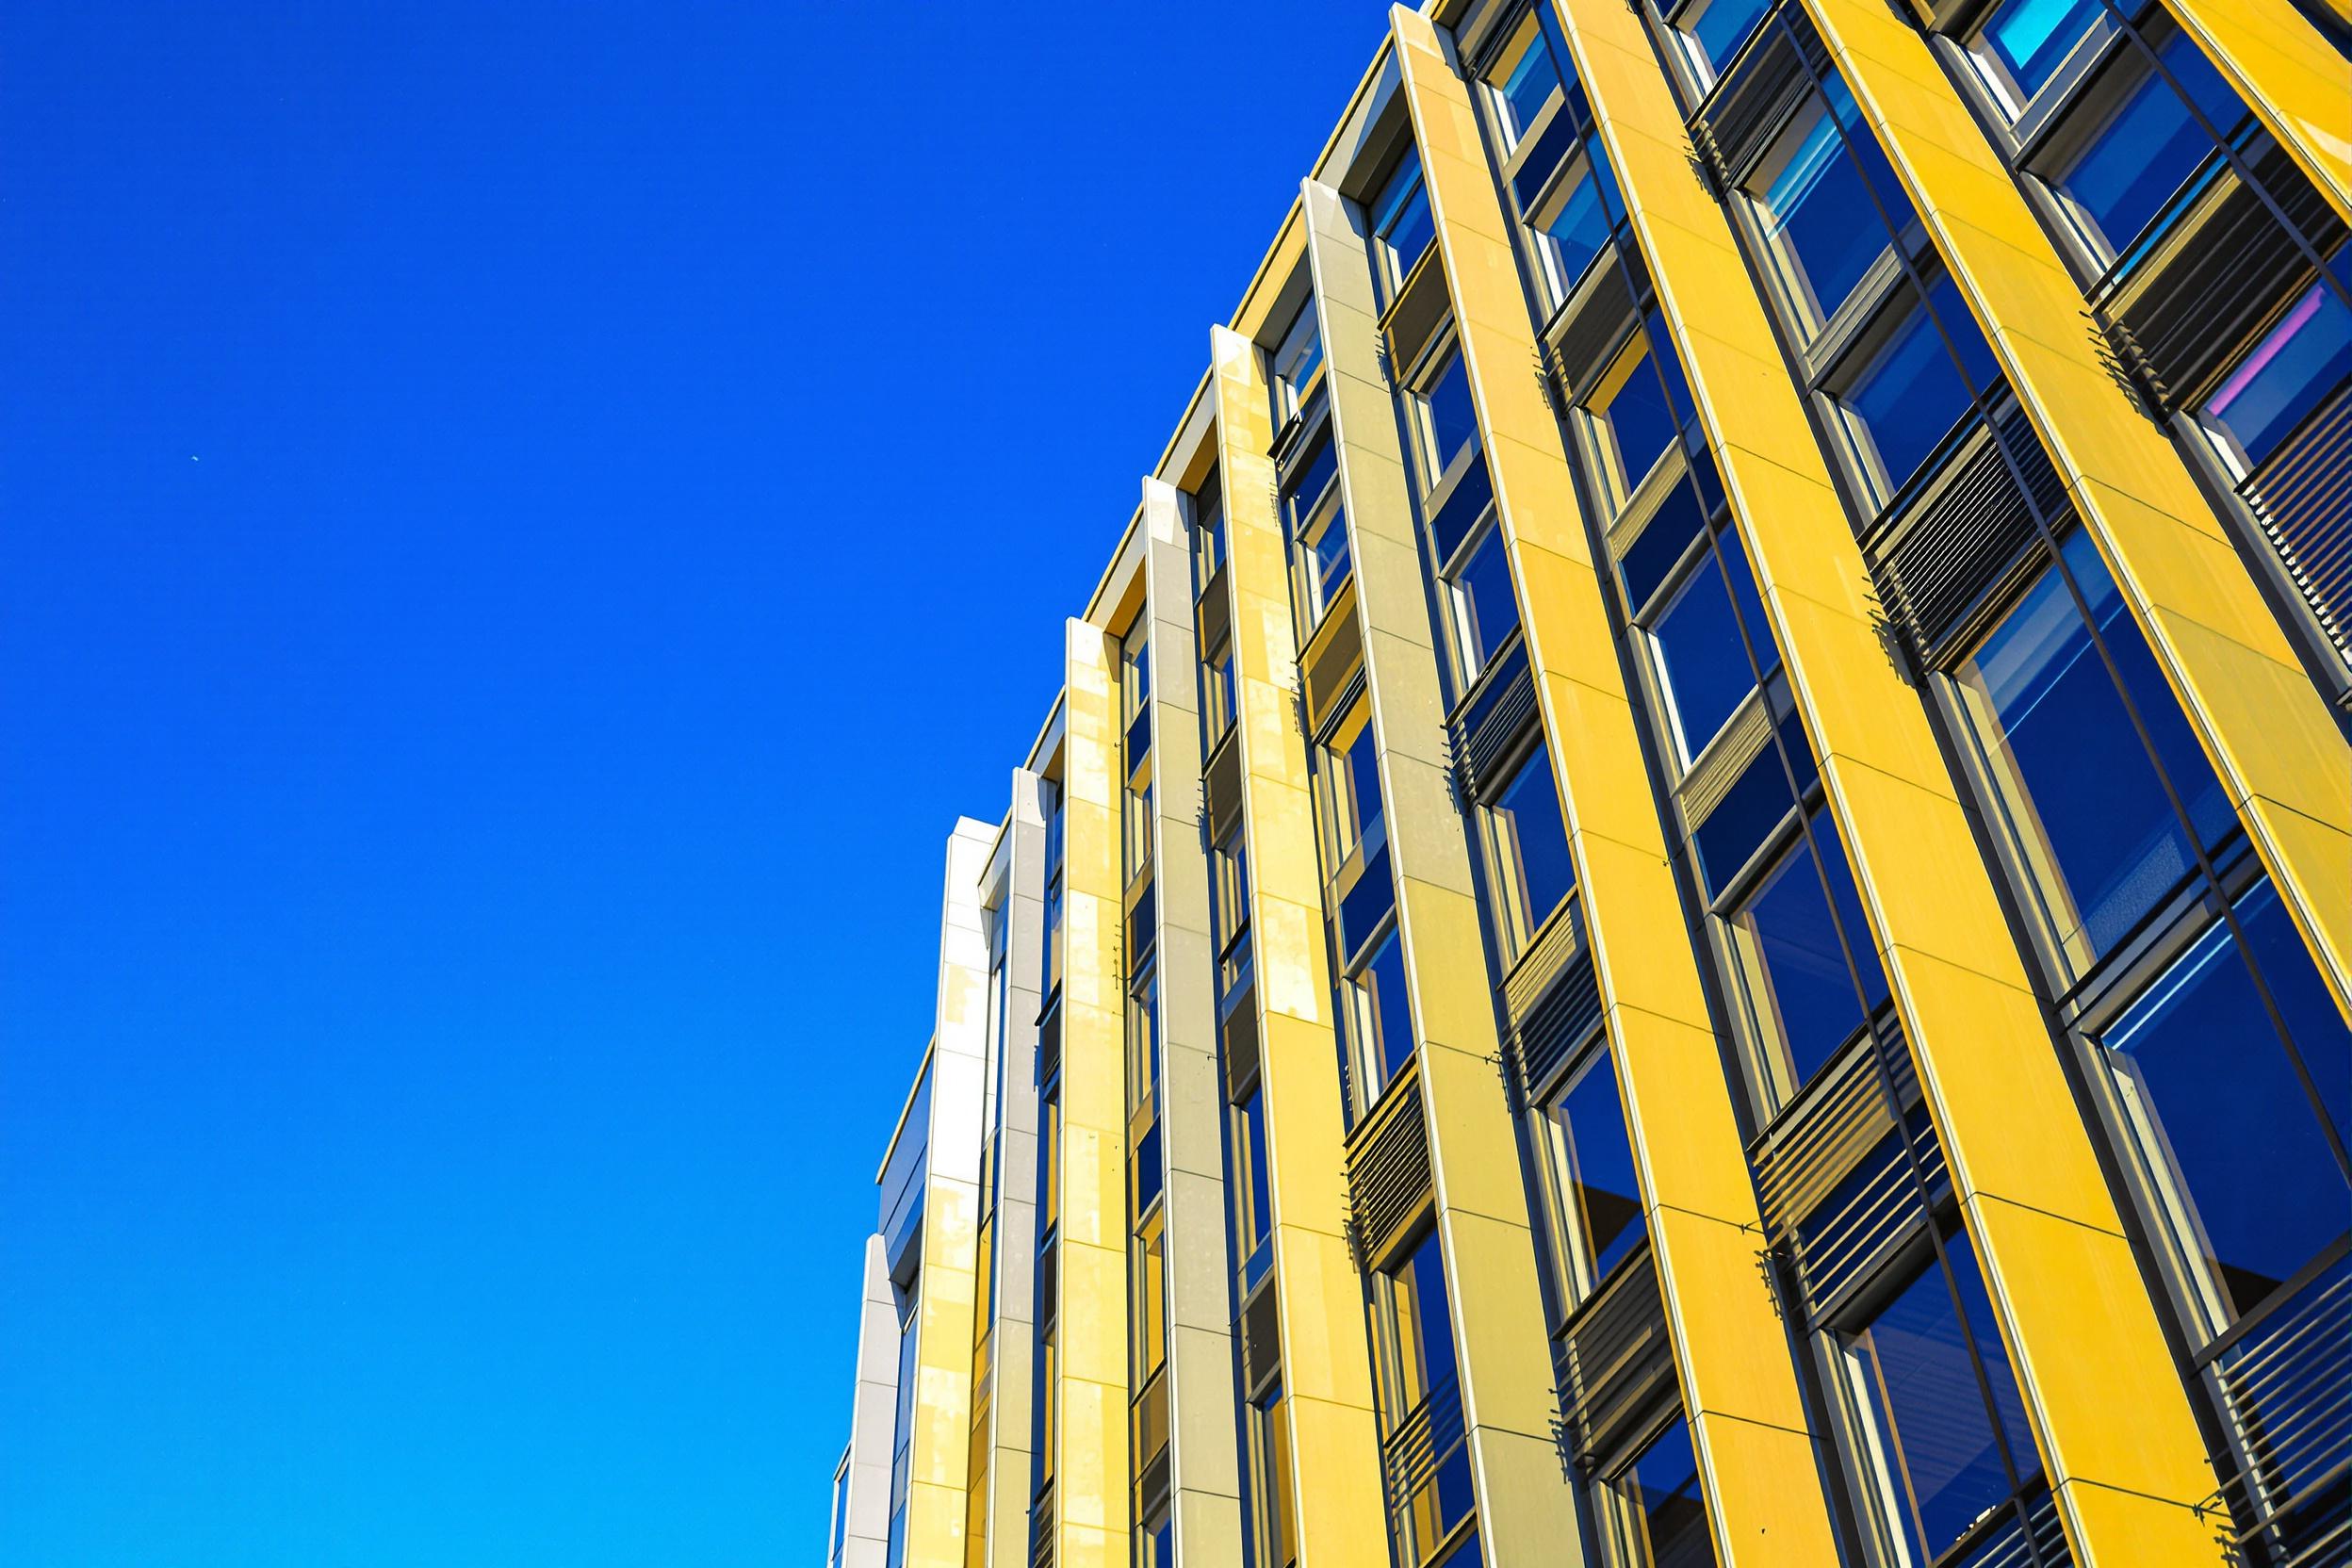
{"x":1091,"y":1489}
{"x":1327,"y":1365}
{"x":1017,"y":1182}
{"x":866,"y":1537}
{"x":2268,"y":729}
{"x":1755,"y":1446}
{"x":1205,"y":1465}
{"x":939,"y":1460}
{"x":2112,"y":1423}
{"x":2296,"y":83}
{"x":1509,"y":1400}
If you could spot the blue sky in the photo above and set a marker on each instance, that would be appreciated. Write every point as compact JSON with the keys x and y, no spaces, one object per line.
{"x":523,"y":528}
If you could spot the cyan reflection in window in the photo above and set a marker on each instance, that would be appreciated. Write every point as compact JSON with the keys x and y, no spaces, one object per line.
{"x":1791,"y":966}
{"x":1703,"y":664}
{"x":1713,"y":32}
{"x":2221,"y":1118}
{"x":2145,"y":146}
{"x":1938,"y":1448}
{"x":1910,"y":392}
{"x":1813,"y":195}
{"x":2100,"y":843}
{"x":2020,"y":46}
{"x":2275,"y":387}
{"x":1532,"y":837}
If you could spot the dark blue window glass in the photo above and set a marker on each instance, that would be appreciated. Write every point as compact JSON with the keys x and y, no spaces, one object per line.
{"x":1815,"y":202}
{"x":2218,"y":1112}
{"x":1652,"y":557}
{"x":1790,"y":964}
{"x":1641,"y":421}
{"x":1400,"y":219}
{"x":1453,"y":423}
{"x":1666,"y":1501}
{"x":2298,"y":362}
{"x":1913,"y":1371}
{"x":1741,"y":821}
{"x":1533,"y":836}
{"x":2148,"y":146}
{"x":1528,"y":83}
{"x":1702,"y":664}
{"x":1909,"y":395}
{"x":1578,"y":226}
{"x":1598,"y":1195}
{"x":1716,"y":29}
{"x":1260,"y":1214}
{"x":1489,"y":610}
{"x":1387,"y":1013}
{"x":1750,"y":603}
{"x":2104,"y":842}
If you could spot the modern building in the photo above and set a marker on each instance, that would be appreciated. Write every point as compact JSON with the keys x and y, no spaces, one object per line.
{"x":1689,"y":898}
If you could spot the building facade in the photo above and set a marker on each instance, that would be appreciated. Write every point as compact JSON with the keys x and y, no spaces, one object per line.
{"x":1689,"y":897}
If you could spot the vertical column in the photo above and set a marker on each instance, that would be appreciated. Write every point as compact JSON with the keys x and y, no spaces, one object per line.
{"x":1509,"y":1403}
{"x":1205,"y":1463}
{"x":866,"y":1540}
{"x":939,"y":1460}
{"x":1091,"y":1490}
{"x":2116,"y":1435}
{"x":2292,"y":78}
{"x":1755,"y":1446}
{"x":1017,"y":1182}
{"x":1326,"y":1365}
{"x":2272,"y":741}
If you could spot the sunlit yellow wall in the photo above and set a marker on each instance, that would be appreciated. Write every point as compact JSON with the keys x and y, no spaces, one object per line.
{"x":2293,"y":79}
{"x":1752,"y":1436}
{"x":1326,"y":1365}
{"x":1090,"y":1496}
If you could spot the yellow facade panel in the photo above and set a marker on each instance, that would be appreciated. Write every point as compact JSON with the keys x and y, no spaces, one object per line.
{"x":2296,"y":82}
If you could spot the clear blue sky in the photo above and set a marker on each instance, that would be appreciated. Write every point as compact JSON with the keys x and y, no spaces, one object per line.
{"x":520,"y":529}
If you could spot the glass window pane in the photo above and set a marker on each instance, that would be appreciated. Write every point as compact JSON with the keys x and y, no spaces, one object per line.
{"x":2219,"y":1114}
{"x":2026,"y":41}
{"x":1600,"y":1198}
{"x":1659,"y":547}
{"x":1424,"y":1326}
{"x":1400,"y":218}
{"x":1716,"y":29}
{"x":1448,"y":422}
{"x":2147,"y":148}
{"x":2102,"y":847}
{"x":1792,"y":968}
{"x":1701,"y":661}
{"x":1525,"y":80}
{"x":2302,"y":359}
{"x":1328,"y":561}
{"x":1906,"y":399}
{"x":1486,"y":607}
{"x":1533,"y":836}
{"x":1664,"y":1503}
{"x":1814,"y":203}
{"x":1384,"y":1012}
{"x":1575,"y":226}
{"x":1298,"y":358}
{"x":1918,"y":1388}
{"x":1632,"y":406}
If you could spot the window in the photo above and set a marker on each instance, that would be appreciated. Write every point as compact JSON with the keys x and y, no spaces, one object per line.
{"x":1415,"y":1340}
{"x":1633,"y":419}
{"x":1937,"y":1453}
{"x":1524,"y":79}
{"x":1402,"y":228}
{"x":1208,"y":532}
{"x":2281,"y":379}
{"x":1218,"y":697}
{"x":1527,"y":849}
{"x":1253,"y":1203}
{"x":1229,"y":909}
{"x":1594,"y":1200}
{"x":2217,"y":1113}
{"x":1572,"y":225}
{"x":1149,"y":1320}
{"x":2095,"y":844}
{"x":1811,"y":196}
{"x":1159,"y":1541}
{"x":1298,"y":363}
{"x":2018,"y":48}
{"x":2133,"y":143}
{"x":1906,"y":392}
{"x":1319,"y":524}
{"x":1351,"y":787}
{"x":1484,"y":608}
{"x":1380,"y":1015}
{"x":1053,"y":900}
{"x":840,"y":1512}
{"x":1704,"y":671}
{"x":1712,"y":31}
{"x":903,"y":1429}
{"x":1656,"y":1509}
{"x":1789,"y":964}
{"x":1444,"y":424}
{"x":1276,"y":1514}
